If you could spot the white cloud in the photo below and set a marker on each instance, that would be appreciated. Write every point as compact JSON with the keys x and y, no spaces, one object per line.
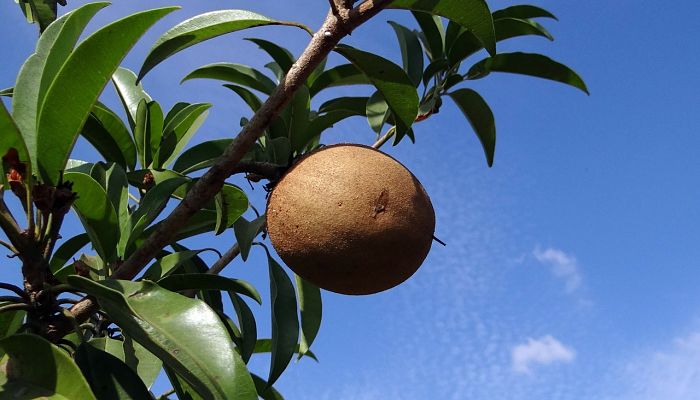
{"x":543,"y":351}
{"x":563,"y":266}
{"x":670,"y":374}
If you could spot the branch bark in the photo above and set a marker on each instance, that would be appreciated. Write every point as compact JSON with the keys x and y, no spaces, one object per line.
{"x":322,"y":43}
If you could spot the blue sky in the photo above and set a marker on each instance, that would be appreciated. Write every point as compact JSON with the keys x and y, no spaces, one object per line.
{"x":571,"y":270}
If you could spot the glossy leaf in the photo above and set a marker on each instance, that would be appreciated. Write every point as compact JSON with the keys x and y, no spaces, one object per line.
{"x":200,"y":156}
{"x":248,"y":329}
{"x":96,"y":213}
{"x":523,"y":11}
{"x":282,"y":56}
{"x":265,"y":391}
{"x":471,"y":14}
{"x":530,"y":64}
{"x":166,"y":265}
{"x":433,"y":34}
{"x":117,"y":187}
{"x":144,"y":363}
{"x":180,"y":282}
{"x":265,"y":346}
{"x":53,"y":48}
{"x":183,"y":390}
{"x":357,"y":105}
{"x":179,"y":131}
{"x":31,"y":368}
{"x":411,"y":52}
{"x":149,"y":208}
{"x":298,"y":122}
{"x":507,"y":28}
{"x":163,"y":322}
{"x":310,"y":310}
{"x":234,"y":73}
{"x":141,"y":132}
{"x":285,"y":322}
{"x":107,"y":133}
{"x":108,"y":376}
{"x":67,"y":250}
{"x":10,"y":321}
{"x":480,"y":117}
{"x":390,"y":80}
{"x":246,"y":95}
{"x":130,"y":93}
{"x":200,"y":28}
{"x":156,"y":132}
{"x":465,"y":45}
{"x":342,"y":75}
{"x":85,"y":72}
{"x":246,"y":232}
{"x":377,"y":112}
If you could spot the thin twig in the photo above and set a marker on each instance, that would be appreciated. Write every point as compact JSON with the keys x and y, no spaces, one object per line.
{"x":9,"y":247}
{"x":388,"y":135}
{"x":15,"y":307}
{"x":14,"y":299}
{"x":15,"y":289}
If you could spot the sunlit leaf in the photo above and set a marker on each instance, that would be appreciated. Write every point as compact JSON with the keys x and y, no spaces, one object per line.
{"x":480,"y":117}
{"x":234,"y":73}
{"x":530,"y":64}
{"x":11,"y":138}
{"x":78,"y":84}
{"x":163,"y":322}
{"x":107,"y":133}
{"x":246,"y":232}
{"x":311,"y":311}
{"x":31,"y":368}
{"x":390,"y":80}
{"x":67,"y":250}
{"x":200,"y":28}
{"x":130,"y":93}
{"x":140,"y":360}
{"x":180,"y":282}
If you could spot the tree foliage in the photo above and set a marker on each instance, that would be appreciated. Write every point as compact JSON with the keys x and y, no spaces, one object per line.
{"x":173,"y":315}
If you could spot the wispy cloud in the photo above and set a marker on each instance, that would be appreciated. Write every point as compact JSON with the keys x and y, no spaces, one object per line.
{"x":563,"y":266}
{"x":672,"y":373}
{"x":543,"y":351}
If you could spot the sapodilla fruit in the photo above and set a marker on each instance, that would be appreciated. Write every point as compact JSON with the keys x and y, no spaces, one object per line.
{"x":351,"y":219}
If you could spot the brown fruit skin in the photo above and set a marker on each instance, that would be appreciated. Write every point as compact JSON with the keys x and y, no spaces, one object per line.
{"x":351,"y":219}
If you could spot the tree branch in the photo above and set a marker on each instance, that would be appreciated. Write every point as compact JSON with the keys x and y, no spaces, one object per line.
{"x":322,"y":43}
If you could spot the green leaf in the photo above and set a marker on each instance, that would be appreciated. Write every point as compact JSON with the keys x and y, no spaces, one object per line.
{"x":433,"y":34}
{"x":377,"y":112}
{"x":96,"y":213}
{"x":7,"y":92}
{"x":231,"y":202}
{"x":77,"y":85}
{"x":523,"y":11}
{"x":183,"y":390}
{"x":166,"y":265}
{"x":164,"y":322}
{"x":282,"y":56}
{"x":247,"y":96}
{"x":31,"y":368}
{"x":357,"y":105}
{"x":107,"y":133}
{"x":10,"y":321}
{"x":311,"y":310}
{"x":200,"y":156}
{"x":11,"y":138}
{"x":342,"y":75}
{"x":246,"y":232}
{"x":149,"y":208}
{"x":141,"y":133}
{"x":265,"y":346}
{"x":265,"y":391}
{"x":140,"y":360}
{"x":117,"y":187}
{"x":200,"y":28}
{"x":180,"y":282}
{"x":298,"y":112}
{"x":390,"y":80}
{"x":326,"y":121}
{"x":248,"y":329}
{"x":530,"y":64}
{"x":130,"y":93}
{"x":179,"y":131}
{"x":507,"y":28}
{"x":411,"y":52}
{"x":471,"y":14}
{"x":480,"y":117}
{"x":155,"y":131}
{"x":67,"y":250}
{"x":44,"y":12}
{"x":38,"y":72}
{"x":465,"y":45}
{"x":234,"y":73}
{"x":433,"y":69}
{"x":285,"y":322}
{"x":108,"y":376}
